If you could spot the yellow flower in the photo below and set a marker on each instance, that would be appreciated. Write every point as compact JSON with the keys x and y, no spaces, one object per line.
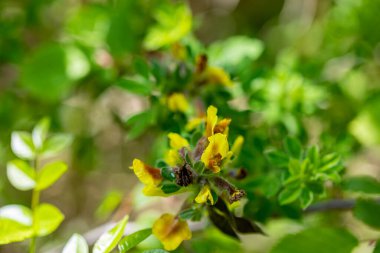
{"x":152,"y":190}
{"x":146,"y":174}
{"x":204,"y":195}
{"x":212,"y":124}
{"x":172,"y":157}
{"x":177,"y":103}
{"x":177,"y":141}
{"x":215,"y":75}
{"x":237,"y":145}
{"x":193,"y":123}
{"x":215,"y":152}
{"x":211,"y":120}
{"x":171,"y":231}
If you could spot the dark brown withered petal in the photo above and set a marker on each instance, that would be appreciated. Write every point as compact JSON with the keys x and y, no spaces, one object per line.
{"x":184,"y":175}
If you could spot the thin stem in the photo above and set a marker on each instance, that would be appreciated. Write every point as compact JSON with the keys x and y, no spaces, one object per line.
{"x":34,"y":205}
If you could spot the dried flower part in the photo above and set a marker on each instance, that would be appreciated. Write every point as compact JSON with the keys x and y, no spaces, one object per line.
{"x":234,"y":194}
{"x":201,"y":63}
{"x":239,"y":174}
{"x":215,"y":152}
{"x":204,"y":195}
{"x":146,"y":174}
{"x":177,"y":102}
{"x":171,"y":231}
{"x":184,"y":175}
{"x":200,"y":148}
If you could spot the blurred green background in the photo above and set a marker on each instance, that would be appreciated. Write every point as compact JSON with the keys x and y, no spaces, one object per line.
{"x":316,"y":75}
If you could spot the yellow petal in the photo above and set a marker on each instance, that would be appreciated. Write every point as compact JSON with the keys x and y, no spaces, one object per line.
{"x":151,"y":190}
{"x":211,"y":120}
{"x":217,"y":75}
{"x":145,"y":173}
{"x":177,"y":102}
{"x":193,"y":123}
{"x":204,"y":195}
{"x":215,"y":152}
{"x":238,"y":144}
{"x":172,"y":157}
{"x":171,"y":231}
{"x":177,"y":141}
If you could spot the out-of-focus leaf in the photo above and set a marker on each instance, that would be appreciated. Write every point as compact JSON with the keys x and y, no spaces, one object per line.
{"x":330,"y":162}
{"x":293,"y":147}
{"x":173,"y":23}
{"x":277,"y":158}
{"x":289,"y":195}
{"x":377,"y":248}
{"x":44,"y":74}
{"x":139,"y":87}
{"x":222,"y":222}
{"x":306,"y":198}
{"x":246,"y":226}
{"x":40,"y":132}
{"x":48,"y":218}
{"x":139,"y":123}
{"x":365,"y":184}
{"x":55,"y":144}
{"x":77,"y":64}
{"x":49,"y":174}
{"x":21,"y":175}
{"x":233,"y":51}
{"x":368,"y":212}
{"x":134,"y":239}
{"x":22,"y":145}
{"x":12,"y":231}
{"x":17,"y":213}
{"x":317,"y":240}
{"x":155,"y":251}
{"x":109,"y":204}
{"x":108,"y":241}
{"x":187,"y":214}
{"x":76,"y":244}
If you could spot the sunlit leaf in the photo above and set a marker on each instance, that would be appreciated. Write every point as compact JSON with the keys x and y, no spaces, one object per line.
{"x":134,"y":239}
{"x":108,"y":241}
{"x":76,"y":244}
{"x":21,"y":175}
{"x":108,"y":205}
{"x":12,"y":231}
{"x":17,"y":213}
{"x":48,"y":218}
{"x":22,"y":145}
{"x":49,"y":174}
{"x":55,"y":144}
{"x":40,"y":132}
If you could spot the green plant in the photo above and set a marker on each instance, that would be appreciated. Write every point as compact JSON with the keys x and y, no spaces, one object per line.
{"x":29,"y":173}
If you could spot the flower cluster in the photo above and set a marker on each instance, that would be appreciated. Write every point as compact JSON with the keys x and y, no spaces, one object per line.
{"x":199,"y":169}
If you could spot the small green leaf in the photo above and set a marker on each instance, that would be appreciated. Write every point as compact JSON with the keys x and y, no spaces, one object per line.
{"x":49,"y":174}
{"x":306,"y":198}
{"x":55,"y":144}
{"x":365,"y":184}
{"x":170,"y":188}
{"x":317,"y":240}
{"x":108,"y":241}
{"x":277,"y":158}
{"x":40,"y":132}
{"x":222,"y":222}
{"x":109,"y":204}
{"x":330,"y":162}
{"x":138,"y":123}
{"x":48,"y":218}
{"x":313,"y":155}
{"x":289,"y":195}
{"x":76,"y":244}
{"x":168,"y":173}
{"x":138,"y":87}
{"x":12,"y":231}
{"x":134,"y":239}
{"x":17,"y":213}
{"x":293,"y":147}
{"x":21,"y":175}
{"x":368,"y":212}
{"x":22,"y":145}
{"x":294,"y":166}
{"x":187,"y":214}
